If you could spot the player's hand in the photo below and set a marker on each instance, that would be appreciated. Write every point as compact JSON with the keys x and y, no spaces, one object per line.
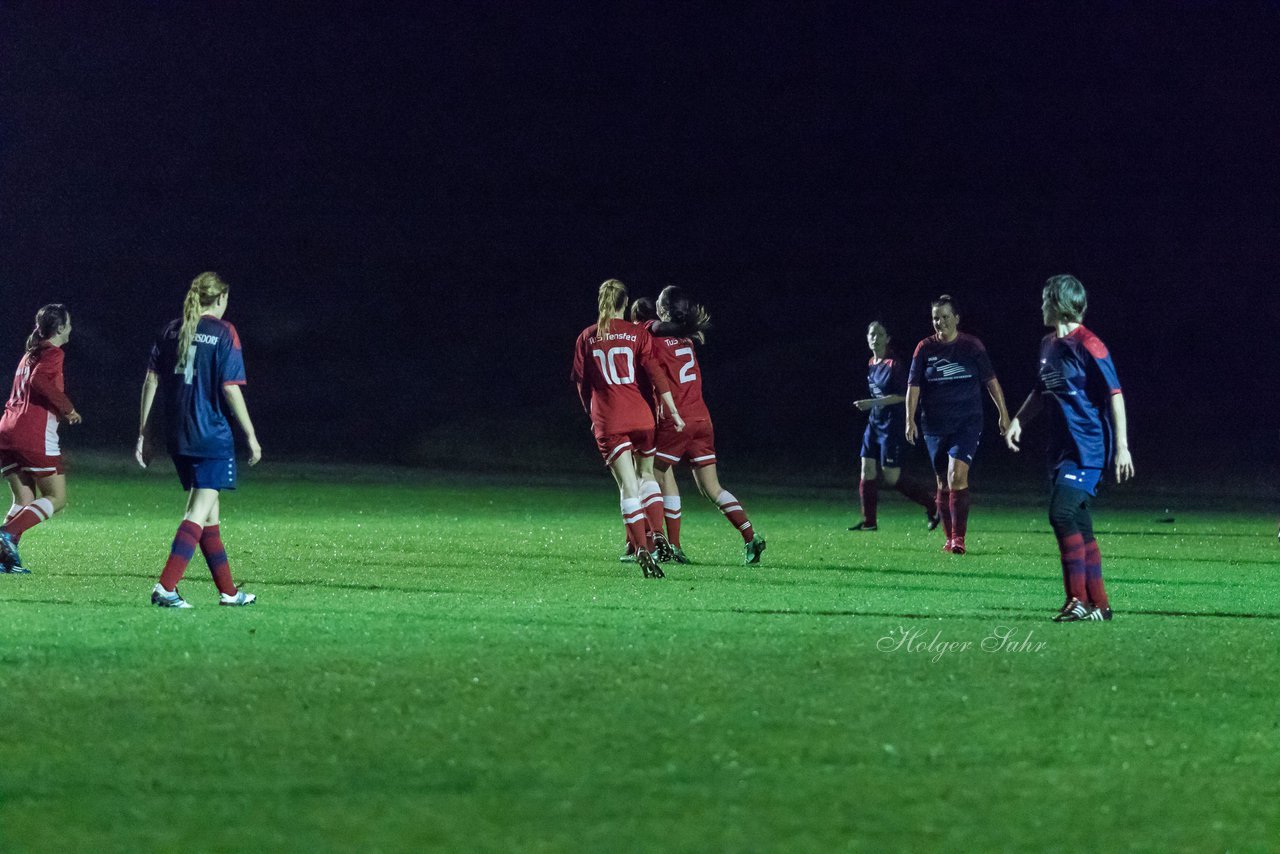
{"x":142,"y":453}
{"x":865,"y":404}
{"x":1013,"y":435}
{"x":1124,"y":465}
{"x":1004,"y":423}
{"x":73,"y":417}
{"x":679,"y":422}
{"x":912,"y":432}
{"x":255,"y":452}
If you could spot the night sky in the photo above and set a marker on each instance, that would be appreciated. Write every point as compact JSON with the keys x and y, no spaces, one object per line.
{"x":416,"y":203}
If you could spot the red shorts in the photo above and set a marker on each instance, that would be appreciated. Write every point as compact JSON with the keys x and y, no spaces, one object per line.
{"x":614,"y":444}
{"x":696,"y":443}
{"x":36,"y":465}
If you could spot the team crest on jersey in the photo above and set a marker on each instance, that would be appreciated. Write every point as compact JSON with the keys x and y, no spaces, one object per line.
{"x":947,"y":369}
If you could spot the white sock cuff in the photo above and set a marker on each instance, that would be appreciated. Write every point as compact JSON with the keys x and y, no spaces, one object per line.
{"x":671,"y":502}
{"x":648,"y":489}
{"x":45,"y":505}
{"x":14,"y":511}
{"x":630,"y":505}
{"x":725,"y":497}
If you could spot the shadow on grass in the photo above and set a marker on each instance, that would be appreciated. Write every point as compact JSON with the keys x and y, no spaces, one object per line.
{"x":1011,"y":576}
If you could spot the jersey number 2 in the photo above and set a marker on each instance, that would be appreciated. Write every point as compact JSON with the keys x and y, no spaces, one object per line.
{"x":686,"y":370}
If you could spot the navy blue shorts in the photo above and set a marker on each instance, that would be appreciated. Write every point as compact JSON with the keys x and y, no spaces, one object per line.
{"x":205,"y":473}
{"x":887,"y":448}
{"x":961,"y":445}
{"x":1069,"y":473}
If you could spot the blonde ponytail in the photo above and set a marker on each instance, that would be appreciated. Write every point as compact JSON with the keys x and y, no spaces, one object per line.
{"x":205,"y":290}
{"x":613,"y":299}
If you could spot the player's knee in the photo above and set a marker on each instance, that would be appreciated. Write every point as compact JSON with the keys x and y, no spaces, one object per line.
{"x":890,"y":477}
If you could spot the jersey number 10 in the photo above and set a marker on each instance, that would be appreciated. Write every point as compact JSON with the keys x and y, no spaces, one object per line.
{"x":609,"y":365}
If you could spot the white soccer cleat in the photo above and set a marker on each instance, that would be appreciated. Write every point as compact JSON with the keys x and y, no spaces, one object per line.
{"x":241,"y":598}
{"x":164,"y":599}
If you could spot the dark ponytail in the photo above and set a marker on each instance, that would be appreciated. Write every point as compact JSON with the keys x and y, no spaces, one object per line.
{"x":688,"y":319}
{"x":49,"y":320}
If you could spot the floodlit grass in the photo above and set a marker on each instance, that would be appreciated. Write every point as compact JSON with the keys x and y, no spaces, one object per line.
{"x":446,"y":664}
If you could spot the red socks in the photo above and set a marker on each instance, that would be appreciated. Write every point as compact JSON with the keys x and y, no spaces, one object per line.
{"x":943,"y":500}
{"x":732,"y":510}
{"x":959,"y":512}
{"x":869,"y":494}
{"x":215,"y":554}
{"x":29,"y":516}
{"x":671,"y":510}
{"x":1071,"y":550}
{"x":1092,"y":560}
{"x":184,"y":546}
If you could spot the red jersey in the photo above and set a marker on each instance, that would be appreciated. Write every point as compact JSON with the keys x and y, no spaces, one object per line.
{"x":611,"y":372}
{"x":30,"y":421}
{"x":679,"y":364}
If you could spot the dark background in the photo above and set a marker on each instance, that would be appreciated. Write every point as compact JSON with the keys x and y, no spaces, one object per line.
{"x":415,"y":204}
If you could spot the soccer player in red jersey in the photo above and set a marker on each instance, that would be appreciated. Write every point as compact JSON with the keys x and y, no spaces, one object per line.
{"x":948,"y":372}
{"x":682,"y":323}
{"x":883,"y":440}
{"x":1088,"y":431}
{"x":30,"y":455}
{"x":610,"y":358}
{"x":196,"y":369}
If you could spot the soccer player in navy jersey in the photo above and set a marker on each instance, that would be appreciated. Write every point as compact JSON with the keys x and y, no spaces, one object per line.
{"x":948,"y":372}
{"x":196,"y":369}
{"x":30,"y":454}
{"x":883,"y":439}
{"x":1088,"y":432}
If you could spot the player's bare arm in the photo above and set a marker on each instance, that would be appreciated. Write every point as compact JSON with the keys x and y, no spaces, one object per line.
{"x":913,"y":402}
{"x":235,"y":399}
{"x":142,"y":453}
{"x":997,"y":397}
{"x":1124,"y":460}
{"x":873,"y":402}
{"x":1030,"y":409}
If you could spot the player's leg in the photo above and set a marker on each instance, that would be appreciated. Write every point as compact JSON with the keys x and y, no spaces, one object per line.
{"x":940,"y":461}
{"x":200,"y":502}
{"x":891,"y":452}
{"x":22,"y":485}
{"x":1100,"y":605}
{"x":622,"y":467}
{"x":671,"y":510}
{"x":960,"y":455}
{"x":52,"y":492}
{"x":868,"y":490}
{"x":709,"y":485}
{"x":651,"y":504}
{"x":1064,"y":517}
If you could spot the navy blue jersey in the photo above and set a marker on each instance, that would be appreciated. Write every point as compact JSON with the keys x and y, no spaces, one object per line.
{"x":951,"y":376}
{"x":1078,"y":379}
{"x":884,"y":378}
{"x":190,"y":397}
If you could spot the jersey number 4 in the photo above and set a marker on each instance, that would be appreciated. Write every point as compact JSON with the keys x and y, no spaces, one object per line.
{"x":609,"y":365}
{"x":188,"y":370}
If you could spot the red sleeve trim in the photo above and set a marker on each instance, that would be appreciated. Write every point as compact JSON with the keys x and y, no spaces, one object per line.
{"x":234,"y":382}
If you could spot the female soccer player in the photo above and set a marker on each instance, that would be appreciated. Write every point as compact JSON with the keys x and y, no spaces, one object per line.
{"x":197,"y":368}
{"x":1088,"y":431}
{"x":948,"y":371}
{"x":608,"y":360}
{"x":882,"y":440}
{"x":30,"y":456}
{"x":680,"y":325}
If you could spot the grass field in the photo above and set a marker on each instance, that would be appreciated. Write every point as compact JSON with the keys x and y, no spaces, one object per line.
{"x":445,"y":664}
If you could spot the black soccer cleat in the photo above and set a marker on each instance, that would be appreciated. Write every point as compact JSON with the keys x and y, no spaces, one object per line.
{"x":864,"y":526}
{"x":678,"y":555}
{"x":1099,"y":614}
{"x":753,"y":550}
{"x":1073,"y":611}
{"x":932,"y":519}
{"x":662,"y":548}
{"x":648,"y":565}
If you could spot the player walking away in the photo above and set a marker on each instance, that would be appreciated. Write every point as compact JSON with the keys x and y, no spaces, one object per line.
{"x":1088,"y":431}
{"x":609,"y":360}
{"x":948,"y":372}
{"x":884,"y":437}
{"x":196,"y":369}
{"x":682,"y":323}
{"x":643,"y":310}
{"x":30,"y":455}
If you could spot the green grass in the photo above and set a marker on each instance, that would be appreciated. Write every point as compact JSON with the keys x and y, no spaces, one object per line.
{"x":449,"y":664}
